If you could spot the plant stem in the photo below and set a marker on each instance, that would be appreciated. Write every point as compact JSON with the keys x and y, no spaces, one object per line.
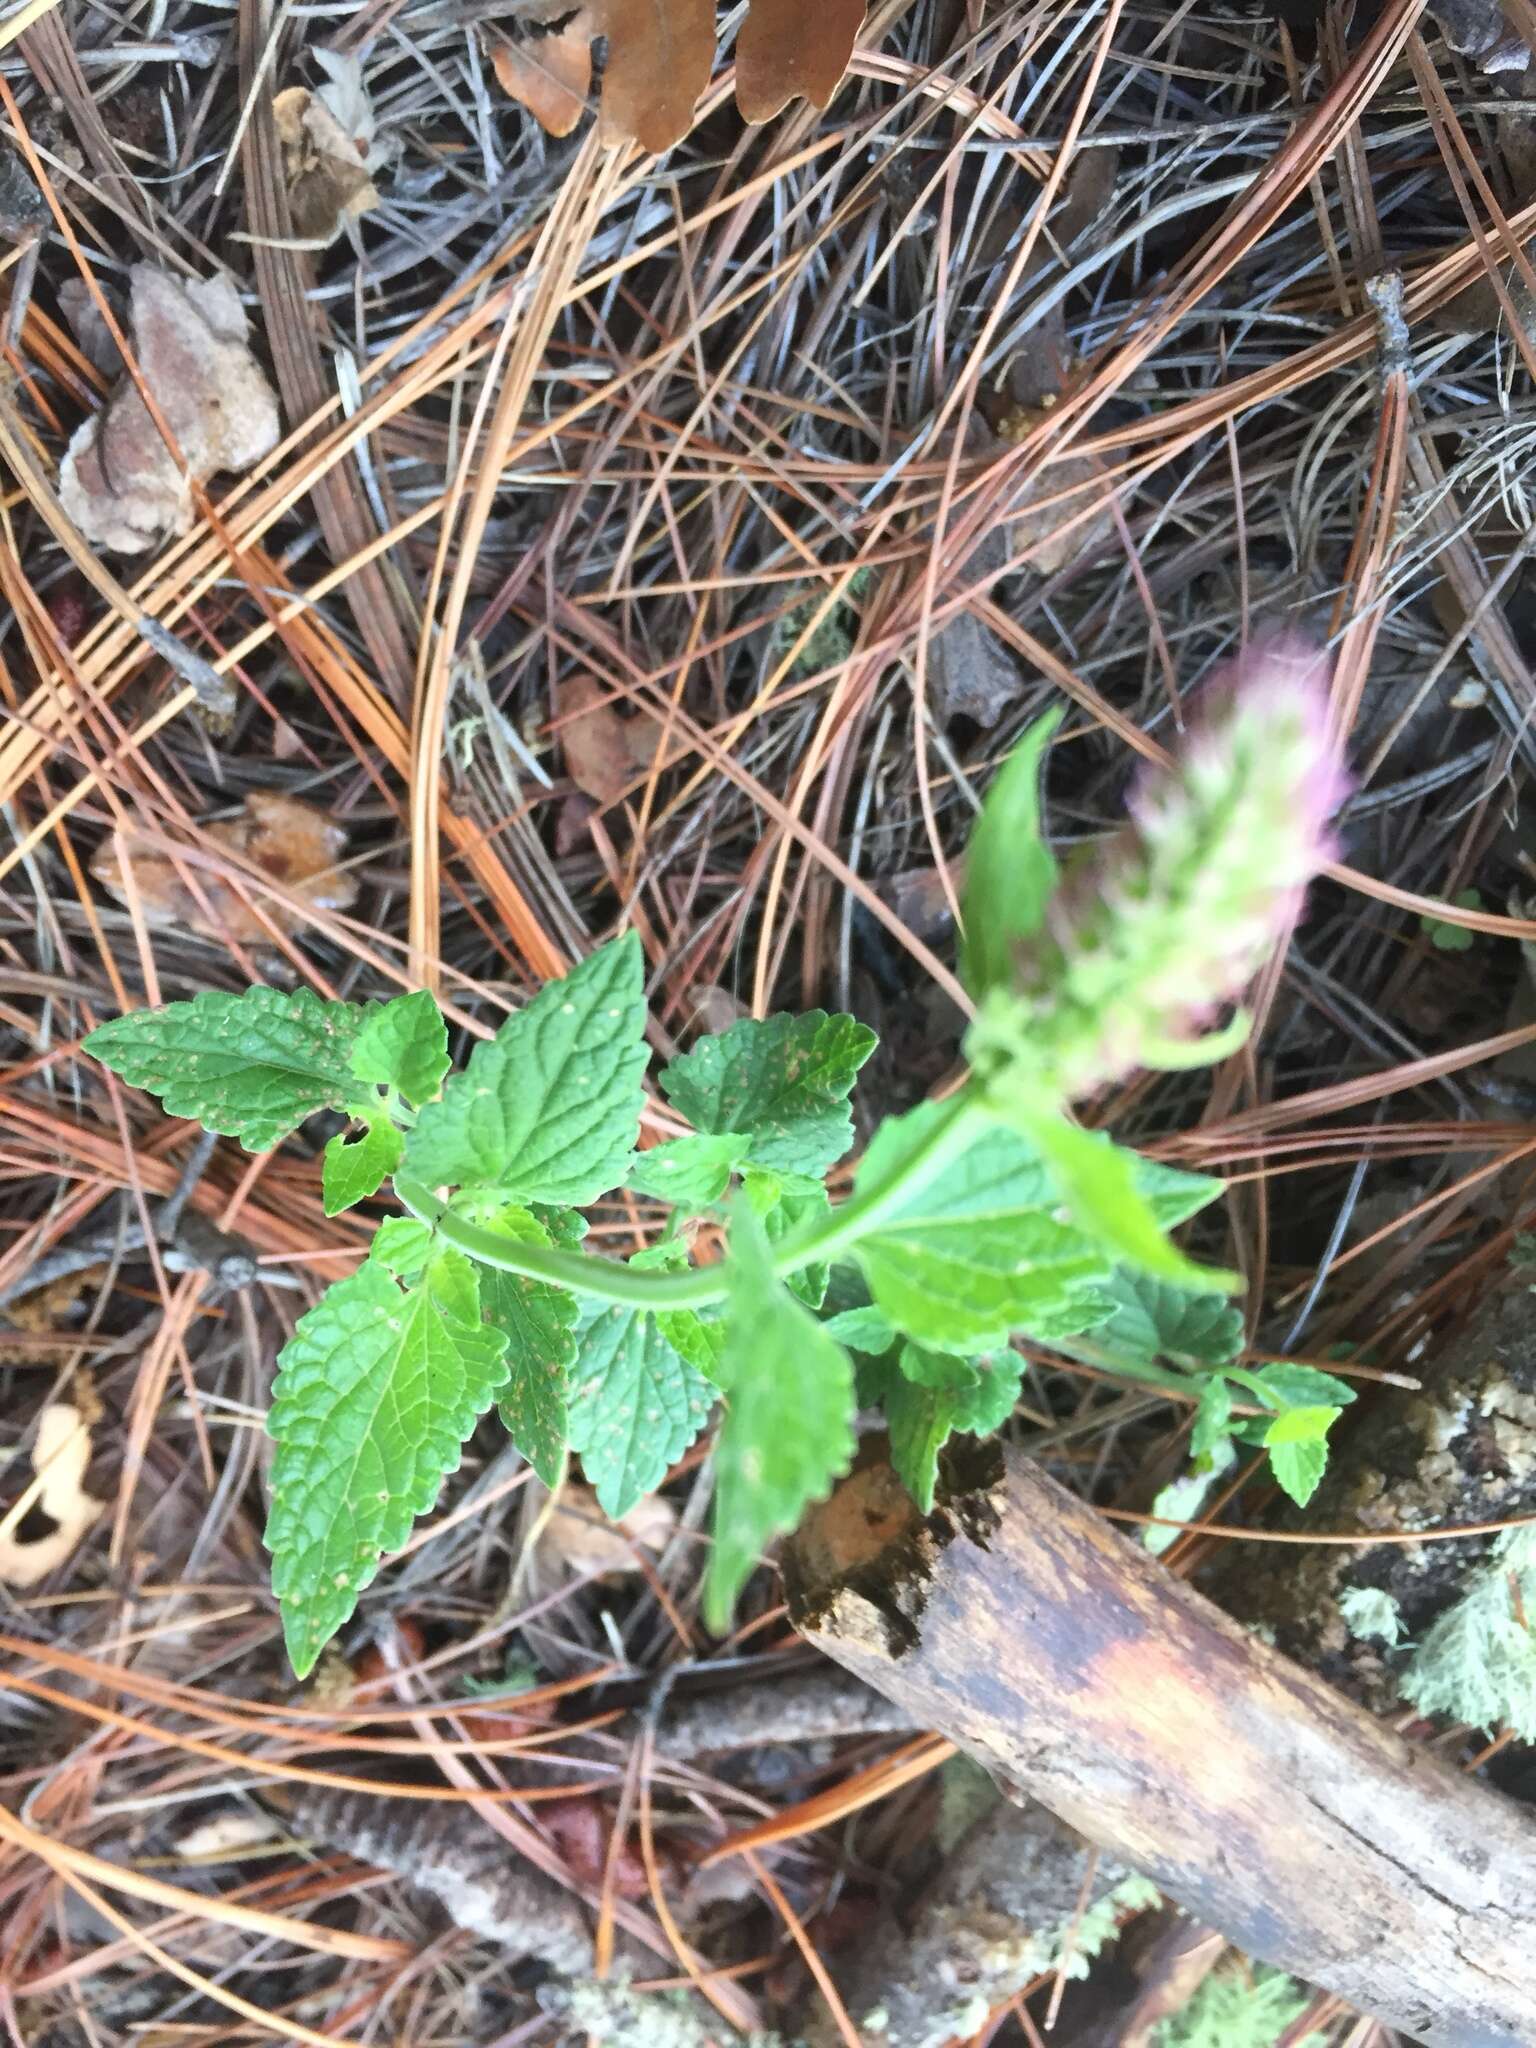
{"x":960,"y":1123}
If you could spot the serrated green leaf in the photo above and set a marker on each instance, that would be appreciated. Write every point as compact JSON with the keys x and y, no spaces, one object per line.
{"x":691,"y":1337}
{"x":938,"y":1369}
{"x":1300,"y":1426}
{"x":1298,"y":1467}
{"x":567,"y":1227}
{"x":1010,"y":872}
{"x":402,"y":1246}
{"x":540,"y":1324}
{"x":690,"y":1172}
{"x":1212,"y":1419}
{"x":783,"y":1081}
{"x":800,"y":1200}
{"x":352,"y":1169}
{"x":861,"y":1329}
{"x":636,"y":1405}
{"x":787,"y":1431}
{"x":1153,"y":1319}
{"x":986,"y":1406}
{"x":377,"y":1389}
{"x":975,"y":1396}
{"x":981,"y":1250}
{"x":920,"y":1420}
{"x":250,"y":1066}
{"x":1285,"y":1384}
{"x":403,"y":1044}
{"x":547,"y":1110}
{"x":1103,"y":1189}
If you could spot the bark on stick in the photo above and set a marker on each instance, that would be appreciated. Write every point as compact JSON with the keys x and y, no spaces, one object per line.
{"x":1017,"y":1622}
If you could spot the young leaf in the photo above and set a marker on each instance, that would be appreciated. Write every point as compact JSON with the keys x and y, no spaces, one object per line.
{"x":1300,"y":1426}
{"x":1010,"y":872}
{"x":920,"y":1419}
{"x":403,"y":1044}
{"x":1154,"y":1319}
{"x":690,"y":1172}
{"x":251,"y":1066}
{"x":1285,"y":1384}
{"x":978,"y":1252}
{"x":941,"y":1370}
{"x":788,"y":1426}
{"x":540,"y":1325}
{"x":986,"y":1406}
{"x":798,"y":1199}
{"x":1099,"y":1184}
{"x":548,"y":1110}
{"x":861,"y":1329}
{"x":928,"y":1398}
{"x":694,"y":1340}
{"x":1298,"y":1467}
{"x":636,"y":1406}
{"x":352,"y":1169}
{"x":402,"y":1246}
{"x":1212,"y":1418}
{"x":377,"y":1389}
{"x":783,"y":1081}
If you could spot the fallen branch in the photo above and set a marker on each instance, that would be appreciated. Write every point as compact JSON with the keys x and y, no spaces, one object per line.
{"x":1016,"y":1622}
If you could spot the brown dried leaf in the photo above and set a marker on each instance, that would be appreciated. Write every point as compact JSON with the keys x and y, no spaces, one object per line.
{"x":605,"y":752}
{"x":119,"y":482}
{"x":790,"y":47}
{"x":549,"y":71}
{"x":60,"y":1459}
{"x":660,"y":53}
{"x":297,"y":845}
{"x":328,"y":182}
{"x":578,"y":1540}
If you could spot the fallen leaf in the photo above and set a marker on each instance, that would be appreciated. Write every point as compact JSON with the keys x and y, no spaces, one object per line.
{"x":579,"y":1540}
{"x":61,"y":1457}
{"x":328,"y":183}
{"x":546,"y":66}
{"x":605,"y":752}
{"x":660,"y":55}
{"x":790,"y":48}
{"x":119,"y":482}
{"x":297,"y":845}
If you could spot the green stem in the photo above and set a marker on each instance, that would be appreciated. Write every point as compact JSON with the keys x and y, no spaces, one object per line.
{"x":961,"y":1122}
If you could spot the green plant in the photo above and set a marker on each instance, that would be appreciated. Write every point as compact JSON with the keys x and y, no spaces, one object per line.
{"x":969,"y":1220}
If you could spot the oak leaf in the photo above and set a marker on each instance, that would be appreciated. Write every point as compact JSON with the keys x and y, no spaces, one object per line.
{"x":297,"y":845}
{"x":793,"y":48}
{"x":546,"y":66}
{"x":660,"y":55}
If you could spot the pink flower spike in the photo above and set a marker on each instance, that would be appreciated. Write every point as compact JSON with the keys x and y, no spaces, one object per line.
{"x":1178,"y":912}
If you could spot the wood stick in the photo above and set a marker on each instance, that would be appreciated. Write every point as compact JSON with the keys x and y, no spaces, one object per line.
{"x":1017,"y":1622}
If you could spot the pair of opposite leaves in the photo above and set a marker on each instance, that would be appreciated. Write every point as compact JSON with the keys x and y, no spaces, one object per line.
{"x":660,"y":55}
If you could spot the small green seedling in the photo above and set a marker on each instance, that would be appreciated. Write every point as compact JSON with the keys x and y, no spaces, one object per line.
{"x":970,"y":1222}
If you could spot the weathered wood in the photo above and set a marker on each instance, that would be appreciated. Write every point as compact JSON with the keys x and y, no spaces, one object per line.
{"x":1017,"y":1622}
